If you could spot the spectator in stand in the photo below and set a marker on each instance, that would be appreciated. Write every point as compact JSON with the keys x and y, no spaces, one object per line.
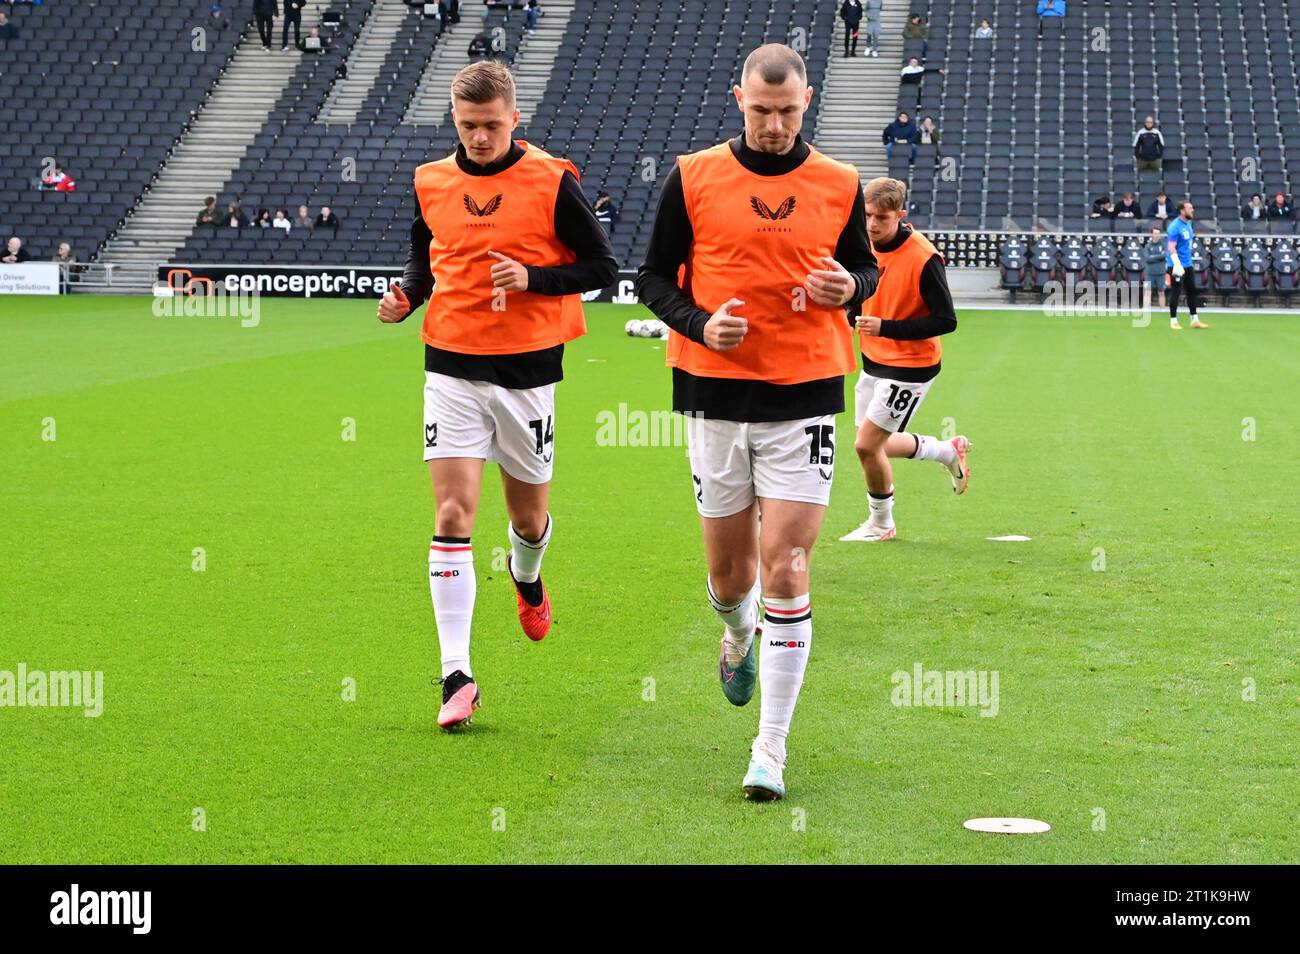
{"x":1149,"y":146}
{"x":304,"y":219}
{"x":1155,"y":267}
{"x":1128,"y":207}
{"x":263,"y":220}
{"x":901,"y":130}
{"x":1255,"y":210}
{"x":292,"y":14}
{"x":914,"y":72}
{"x":327,"y":220}
{"x":265,"y":11}
{"x":59,"y":180}
{"x":873,"y":27}
{"x":532,"y":10}
{"x":1160,"y":208}
{"x":67,"y":263}
{"x":1280,"y":209}
{"x":208,"y":215}
{"x":234,"y":217}
{"x":606,"y":211}
{"x":1102,"y":208}
{"x":928,"y":132}
{"x":7,"y":30}
{"x":916,"y":28}
{"x":313,"y":42}
{"x":15,"y":254}
{"x":851,"y":14}
{"x":1049,"y":10}
{"x":481,"y":45}
{"x":282,"y":221}
{"x":216,"y":19}
{"x":984,"y":31}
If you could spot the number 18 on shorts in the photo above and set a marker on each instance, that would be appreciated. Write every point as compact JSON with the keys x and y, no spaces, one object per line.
{"x":887,"y":404}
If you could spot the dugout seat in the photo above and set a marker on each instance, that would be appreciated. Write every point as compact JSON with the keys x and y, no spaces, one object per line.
{"x":1225,"y":268}
{"x":1013,"y":264}
{"x":1286,"y":269}
{"x":1133,"y":260}
{"x":1201,"y":266}
{"x":1073,"y":257}
{"x":1103,"y":259}
{"x":1255,"y":269}
{"x":1042,"y":263}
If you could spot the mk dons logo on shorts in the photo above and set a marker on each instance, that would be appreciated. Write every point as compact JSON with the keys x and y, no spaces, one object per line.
{"x":431,"y":434}
{"x":761,"y":209}
{"x":473,"y":208}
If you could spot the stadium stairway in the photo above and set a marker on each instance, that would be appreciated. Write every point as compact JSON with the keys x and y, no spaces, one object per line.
{"x":366,"y":61}
{"x":209,"y":152}
{"x":430,"y":104}
{"x":536,"y":57}
{"x":859,"y":95}
{"x":532,"y":63}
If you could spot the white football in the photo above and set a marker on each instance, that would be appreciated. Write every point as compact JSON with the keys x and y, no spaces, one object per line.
{"x":632,"y":327}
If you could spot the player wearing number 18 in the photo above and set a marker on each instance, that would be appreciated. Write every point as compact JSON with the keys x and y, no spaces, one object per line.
{"x":900,"y":331}
{"x":503,"y":245}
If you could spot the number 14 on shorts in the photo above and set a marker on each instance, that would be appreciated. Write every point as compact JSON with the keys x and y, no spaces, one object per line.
{"x":544,"y":435}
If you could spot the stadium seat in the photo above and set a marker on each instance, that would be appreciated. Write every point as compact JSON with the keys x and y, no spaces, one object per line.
{"x":1225,"y":268}
{"x":1286,"y":269}
{"x":1255,"y":269}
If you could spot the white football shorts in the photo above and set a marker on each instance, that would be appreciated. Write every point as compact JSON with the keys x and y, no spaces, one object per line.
{"x":513,"y":426}
{"x":733,"y":462}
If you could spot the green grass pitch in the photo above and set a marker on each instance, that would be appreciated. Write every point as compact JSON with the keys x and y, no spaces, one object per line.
{"x":1147,"y":710}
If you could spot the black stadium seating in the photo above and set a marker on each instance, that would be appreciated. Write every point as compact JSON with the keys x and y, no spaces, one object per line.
{"x":1040,"y":128}
{"x":1035,"y":128}
{"x":105,"y":89}
{"x":630,"y":91}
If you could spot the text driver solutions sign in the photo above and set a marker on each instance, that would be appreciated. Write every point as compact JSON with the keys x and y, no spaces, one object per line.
{"x":29,"y":278}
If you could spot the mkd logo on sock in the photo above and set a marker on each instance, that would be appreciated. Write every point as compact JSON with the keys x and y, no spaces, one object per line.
{"x":444,"y":573}
{"x":788,"y":643}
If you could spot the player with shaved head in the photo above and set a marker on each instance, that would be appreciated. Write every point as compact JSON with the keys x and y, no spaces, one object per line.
{"x":759,"y":246}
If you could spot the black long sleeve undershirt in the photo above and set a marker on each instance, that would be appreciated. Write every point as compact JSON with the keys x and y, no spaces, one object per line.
{"x":576,"y":227}
{"x":672,"y":235}
{"x":942,"y":318}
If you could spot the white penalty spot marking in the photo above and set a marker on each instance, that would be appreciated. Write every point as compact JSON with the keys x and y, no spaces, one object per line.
{"x":1008,"y":826}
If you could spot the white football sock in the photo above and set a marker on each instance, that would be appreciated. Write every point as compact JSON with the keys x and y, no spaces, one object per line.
{"x":931,"y":448}
{"x":882,"y":509}
{"x":787,"y":639}
{"x":739,"y":618}
{"x":526,"y":555}
{"x":452,"y":587}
